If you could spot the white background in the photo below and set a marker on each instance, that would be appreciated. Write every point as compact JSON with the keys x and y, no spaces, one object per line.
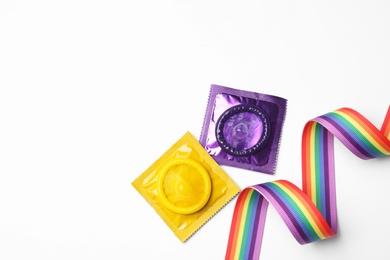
{"x":93,"y":92}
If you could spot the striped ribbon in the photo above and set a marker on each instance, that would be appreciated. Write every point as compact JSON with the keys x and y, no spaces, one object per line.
{"x":310,"y":213}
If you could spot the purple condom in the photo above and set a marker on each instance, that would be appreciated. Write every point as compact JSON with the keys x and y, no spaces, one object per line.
{"x":243,"y":129}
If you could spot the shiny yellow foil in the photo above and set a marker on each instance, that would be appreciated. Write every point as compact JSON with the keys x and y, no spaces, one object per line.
{"x":184,"y":185}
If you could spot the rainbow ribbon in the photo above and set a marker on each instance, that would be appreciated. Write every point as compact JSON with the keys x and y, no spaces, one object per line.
{"x":310,"y":213}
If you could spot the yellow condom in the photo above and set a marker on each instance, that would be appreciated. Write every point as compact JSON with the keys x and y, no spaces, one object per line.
{"x":186,"y":187}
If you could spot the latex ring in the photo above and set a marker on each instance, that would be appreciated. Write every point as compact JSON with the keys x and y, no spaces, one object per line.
{"x":182,"y":186}
{"x":242,"y":130}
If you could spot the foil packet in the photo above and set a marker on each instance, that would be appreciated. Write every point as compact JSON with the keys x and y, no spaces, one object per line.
{"x":186,"y":187}
{"x":243,"y":128}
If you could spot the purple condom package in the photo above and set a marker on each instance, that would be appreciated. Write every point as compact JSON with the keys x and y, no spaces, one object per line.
{"x":243,"y":128}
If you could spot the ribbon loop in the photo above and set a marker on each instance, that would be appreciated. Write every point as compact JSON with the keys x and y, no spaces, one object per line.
{"x":310,"y":213}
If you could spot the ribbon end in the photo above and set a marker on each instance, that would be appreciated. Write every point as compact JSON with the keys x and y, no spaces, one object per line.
{"x":386,"y":124}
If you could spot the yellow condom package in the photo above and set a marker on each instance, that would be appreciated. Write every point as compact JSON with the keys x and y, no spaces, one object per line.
{"x":186,"y":187}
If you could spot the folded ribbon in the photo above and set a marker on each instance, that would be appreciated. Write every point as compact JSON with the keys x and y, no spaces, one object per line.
{"x":310,"y":213}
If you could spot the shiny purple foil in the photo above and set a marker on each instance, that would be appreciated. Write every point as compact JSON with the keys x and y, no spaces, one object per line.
{"x":244,"y":129}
